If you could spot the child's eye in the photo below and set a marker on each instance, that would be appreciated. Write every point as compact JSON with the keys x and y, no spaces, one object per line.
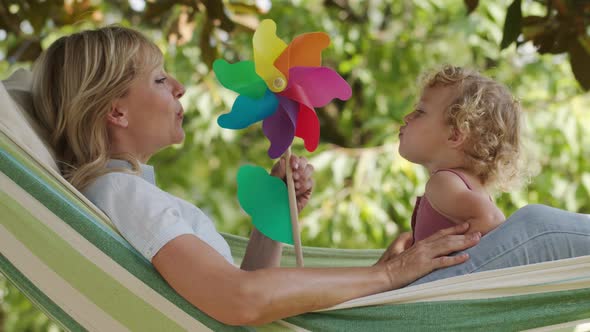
{"x":161,"y":80}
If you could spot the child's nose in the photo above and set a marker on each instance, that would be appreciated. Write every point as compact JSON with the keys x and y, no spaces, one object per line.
{"x":407,"y":118}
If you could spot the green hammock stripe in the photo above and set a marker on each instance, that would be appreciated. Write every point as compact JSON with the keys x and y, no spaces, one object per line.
{"x":99,"y":287}
{"x":37,"y":297}
{"x":513,"y":313}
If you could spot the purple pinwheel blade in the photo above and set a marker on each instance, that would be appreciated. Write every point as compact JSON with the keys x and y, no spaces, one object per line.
{"x":247,"y":111}
{"x":315,"y":86}
{"x":279,"y":128}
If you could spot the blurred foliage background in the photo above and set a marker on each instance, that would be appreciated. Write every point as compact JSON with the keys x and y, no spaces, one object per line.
{"x":364,"y":190}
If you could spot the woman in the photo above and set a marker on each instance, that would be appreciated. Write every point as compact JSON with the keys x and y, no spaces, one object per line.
{"x":110,"y":106}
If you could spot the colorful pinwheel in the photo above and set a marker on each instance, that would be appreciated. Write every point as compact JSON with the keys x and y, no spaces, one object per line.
{"x":282,"y":86}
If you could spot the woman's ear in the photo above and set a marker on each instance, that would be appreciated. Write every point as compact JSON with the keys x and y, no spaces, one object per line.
{"x":118,"y":115}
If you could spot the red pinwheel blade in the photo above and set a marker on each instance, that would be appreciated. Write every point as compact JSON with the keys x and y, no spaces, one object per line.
{"x":308,"y":127}
{"x":304,"y":51}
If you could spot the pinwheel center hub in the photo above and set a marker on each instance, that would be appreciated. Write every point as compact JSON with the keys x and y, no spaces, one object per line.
{"x":279,"y":83}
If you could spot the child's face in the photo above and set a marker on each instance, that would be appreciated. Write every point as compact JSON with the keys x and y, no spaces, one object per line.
{"x":424,"y":136}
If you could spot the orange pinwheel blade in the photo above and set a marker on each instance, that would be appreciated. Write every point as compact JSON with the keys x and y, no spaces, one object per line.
{"x":304,"y":51}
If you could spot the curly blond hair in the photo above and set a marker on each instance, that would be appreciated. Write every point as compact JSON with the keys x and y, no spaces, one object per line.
{"x":490,"y":118}
{"x":74,"y":84}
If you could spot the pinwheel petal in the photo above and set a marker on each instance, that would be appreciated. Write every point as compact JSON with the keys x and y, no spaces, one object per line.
{"x":267,"y":48}
{"x":308,"y":127}
{"x":247,"y":111}
{"x":265,"y":199}
{"x":303,"y":51}
{"x":279,"y":128}
{"x":240,"y":77}
{"x":315,"y":87}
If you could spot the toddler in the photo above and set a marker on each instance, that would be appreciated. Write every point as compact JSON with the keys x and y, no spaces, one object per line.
{"x":465,"y":130}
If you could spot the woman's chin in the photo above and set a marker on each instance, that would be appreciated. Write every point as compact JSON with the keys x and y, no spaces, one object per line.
{"x":179,"y":137}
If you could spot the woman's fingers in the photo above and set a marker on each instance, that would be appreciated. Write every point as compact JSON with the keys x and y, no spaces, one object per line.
{"x":430,"y":254}
{"x":446,"y":261}
{"x":457,"y":229}
{"x":403,"y":242}
{"x":453,"y":243}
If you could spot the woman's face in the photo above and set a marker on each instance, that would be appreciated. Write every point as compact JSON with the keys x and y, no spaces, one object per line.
{"x":154,"y":113}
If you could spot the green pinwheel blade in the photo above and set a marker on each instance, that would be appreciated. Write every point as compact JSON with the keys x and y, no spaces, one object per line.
{"x":265,"y":199}
{"x":240,"y":77}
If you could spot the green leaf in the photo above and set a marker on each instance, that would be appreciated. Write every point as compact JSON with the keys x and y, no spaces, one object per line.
{"x":512,"y":24}
{"x":580,"y":62}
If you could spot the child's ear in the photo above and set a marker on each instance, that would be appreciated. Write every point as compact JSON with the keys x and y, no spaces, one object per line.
{"x":456,"y":138}
{"x":118,"y":115}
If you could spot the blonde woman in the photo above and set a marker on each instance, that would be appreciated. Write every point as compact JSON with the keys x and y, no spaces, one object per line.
{"x":110,"y":105}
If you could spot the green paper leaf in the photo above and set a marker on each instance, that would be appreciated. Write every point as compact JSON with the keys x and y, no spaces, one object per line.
{"x":265,"y":199}
{"x":240,"y":77}
{"x":512,"y":24}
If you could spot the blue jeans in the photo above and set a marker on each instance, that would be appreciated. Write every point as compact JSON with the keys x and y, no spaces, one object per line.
{"x":533,"y":234}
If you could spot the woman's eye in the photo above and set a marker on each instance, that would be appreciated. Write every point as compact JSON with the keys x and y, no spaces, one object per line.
{"x":161,"y":80}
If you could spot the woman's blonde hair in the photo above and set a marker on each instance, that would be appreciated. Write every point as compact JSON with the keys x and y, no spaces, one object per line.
{"x":490,"y":118}
{"x":75,"y":82}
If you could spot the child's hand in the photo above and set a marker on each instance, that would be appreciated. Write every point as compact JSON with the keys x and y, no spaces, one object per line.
{"x":399,"y":245}
{"x":302,"y":178}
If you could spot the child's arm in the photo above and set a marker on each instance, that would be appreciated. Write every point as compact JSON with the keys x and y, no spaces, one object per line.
{"x":449,"y":195}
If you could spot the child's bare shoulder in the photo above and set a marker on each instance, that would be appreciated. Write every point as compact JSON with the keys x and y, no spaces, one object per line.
{"x":445,"y":182}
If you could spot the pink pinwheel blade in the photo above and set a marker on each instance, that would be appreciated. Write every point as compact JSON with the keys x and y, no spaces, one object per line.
{"x":279,"y":128}
{"x":308,"y":127}
{"x":315,"y":86}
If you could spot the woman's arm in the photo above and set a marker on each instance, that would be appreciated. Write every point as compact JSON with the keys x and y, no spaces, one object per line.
{"x":233,"y":296}
{"x":261,"y":252}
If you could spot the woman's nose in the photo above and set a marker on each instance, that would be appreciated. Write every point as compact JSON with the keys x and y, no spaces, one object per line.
{"x":179,"y":89}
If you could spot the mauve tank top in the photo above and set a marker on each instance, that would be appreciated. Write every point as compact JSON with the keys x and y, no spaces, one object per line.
{"x":426,"y":220}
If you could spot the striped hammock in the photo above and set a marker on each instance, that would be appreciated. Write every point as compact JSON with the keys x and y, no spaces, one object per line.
{"x":65,"y":256}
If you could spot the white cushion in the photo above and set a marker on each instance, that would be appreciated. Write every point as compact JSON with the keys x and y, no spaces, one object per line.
{"x":17,"y":120}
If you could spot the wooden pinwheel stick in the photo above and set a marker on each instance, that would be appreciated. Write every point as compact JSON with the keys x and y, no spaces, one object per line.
{"x":293,"y":209}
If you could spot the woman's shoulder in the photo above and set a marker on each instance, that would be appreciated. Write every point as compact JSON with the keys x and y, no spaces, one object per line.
{"x":118,"y":184}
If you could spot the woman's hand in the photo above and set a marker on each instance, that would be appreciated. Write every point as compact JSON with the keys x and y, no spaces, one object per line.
{"x":302,"y":178}
{"x":399,"y":245}
{"x":428,"y":255}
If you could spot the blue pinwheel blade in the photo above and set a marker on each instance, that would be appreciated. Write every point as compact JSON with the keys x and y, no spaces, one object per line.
{"x":247,"y":111}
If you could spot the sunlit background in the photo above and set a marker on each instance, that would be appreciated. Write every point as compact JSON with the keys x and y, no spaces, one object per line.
{"x":364,"y":191}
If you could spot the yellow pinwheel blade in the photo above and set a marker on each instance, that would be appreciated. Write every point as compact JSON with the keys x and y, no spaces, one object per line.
{"x":267,"y":48}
